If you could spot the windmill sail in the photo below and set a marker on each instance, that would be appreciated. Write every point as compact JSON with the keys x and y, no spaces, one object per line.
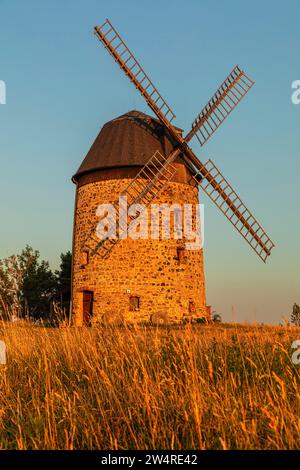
{"x":226,"y":98}
{"x":216,"y":186}
{"x":223,"y":102}
{"x":143,"y":189}
{"x":115,"y":45}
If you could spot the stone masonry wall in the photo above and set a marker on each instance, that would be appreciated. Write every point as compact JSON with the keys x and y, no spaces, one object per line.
{"x":149,"y":269}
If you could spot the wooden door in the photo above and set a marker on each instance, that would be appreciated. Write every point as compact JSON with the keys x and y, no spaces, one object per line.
{"x":87,"y":307}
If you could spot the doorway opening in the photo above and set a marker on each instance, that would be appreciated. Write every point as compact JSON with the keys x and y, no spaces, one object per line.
{"x":88,"y":299}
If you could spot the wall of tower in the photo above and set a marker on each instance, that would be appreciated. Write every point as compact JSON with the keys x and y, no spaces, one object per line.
{"x":147,"y":269}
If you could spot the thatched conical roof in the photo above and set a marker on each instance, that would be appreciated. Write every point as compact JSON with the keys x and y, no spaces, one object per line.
{"x":129,"y":140}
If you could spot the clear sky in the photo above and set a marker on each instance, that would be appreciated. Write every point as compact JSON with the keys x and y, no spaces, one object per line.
{"x":62,"y":86}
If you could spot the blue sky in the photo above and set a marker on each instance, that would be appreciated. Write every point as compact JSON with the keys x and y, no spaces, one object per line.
{"x":62,"y":86}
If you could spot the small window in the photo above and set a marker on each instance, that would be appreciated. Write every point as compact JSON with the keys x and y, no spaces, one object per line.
{"x":180,"y":255}
{"x":192,"y":307}
{"x":134,"y":303}
{"x":85,"y":258}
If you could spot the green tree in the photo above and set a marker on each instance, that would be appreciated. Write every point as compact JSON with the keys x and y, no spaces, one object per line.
{"x":295,"y":316}
{"x":63,"y":280}
{"x":38,"y":286}
{"x":10,"y":286}
{"x":216,"y":318}
{"x":27,"y":284}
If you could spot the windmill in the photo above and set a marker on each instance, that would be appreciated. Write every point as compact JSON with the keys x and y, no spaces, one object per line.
{"x":159,"y":169}
{"x":157,"y":280}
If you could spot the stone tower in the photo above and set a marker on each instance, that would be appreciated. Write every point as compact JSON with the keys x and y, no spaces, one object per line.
{"x":142,"y":280}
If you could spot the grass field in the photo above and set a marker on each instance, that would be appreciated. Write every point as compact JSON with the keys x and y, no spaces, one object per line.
{"x":204,"y":387}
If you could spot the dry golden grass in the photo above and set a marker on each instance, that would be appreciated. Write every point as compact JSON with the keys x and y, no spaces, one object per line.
{"x":204,"y":387}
